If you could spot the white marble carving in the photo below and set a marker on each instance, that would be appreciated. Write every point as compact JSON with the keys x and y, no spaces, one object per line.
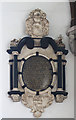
{"x":59,"y":41}
{"x":15,"y":97}
{"x":60,"y":98}
{"x":37,"y":25}
{"x":37,"y":103}
{"x":14,"y":42}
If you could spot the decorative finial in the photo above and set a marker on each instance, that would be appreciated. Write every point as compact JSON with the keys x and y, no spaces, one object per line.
{"x":59,"y":41}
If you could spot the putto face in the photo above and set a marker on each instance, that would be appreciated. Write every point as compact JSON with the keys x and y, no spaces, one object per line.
{"x":37,"y":25}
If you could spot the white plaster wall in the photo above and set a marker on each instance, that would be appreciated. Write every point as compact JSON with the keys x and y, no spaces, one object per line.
{"x":13,"y":16}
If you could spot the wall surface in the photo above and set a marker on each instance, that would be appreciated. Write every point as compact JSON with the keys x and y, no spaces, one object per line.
{"x":13,"y":16}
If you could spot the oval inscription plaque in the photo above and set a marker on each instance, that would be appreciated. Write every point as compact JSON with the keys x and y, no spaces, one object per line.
{"x":37,"y":73}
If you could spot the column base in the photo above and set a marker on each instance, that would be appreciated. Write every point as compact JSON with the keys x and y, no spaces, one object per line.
{"x":60,"y":96}
{"x":15,"y":95}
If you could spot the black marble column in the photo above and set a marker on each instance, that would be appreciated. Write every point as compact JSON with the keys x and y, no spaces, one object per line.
{"x":11,"y":76}
{"x":15,"y":72}
{"x":61,"y":78}
{"x":64,"y":83}
{"x":59,"y":71}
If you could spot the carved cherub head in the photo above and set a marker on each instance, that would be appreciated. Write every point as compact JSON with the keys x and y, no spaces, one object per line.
{"x":37,"y":25}
{"x":38,"y":15}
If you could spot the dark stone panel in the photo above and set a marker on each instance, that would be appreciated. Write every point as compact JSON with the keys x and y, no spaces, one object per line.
{"x":44,"y":43}
{"x":37,"y":73}
{"x":64,"y":83}
{"x":15,"y":72}
{"x":60,"y":93}
{"x":11,"y":77}
{"x":59,"y":71}
{"x":15,"y":92}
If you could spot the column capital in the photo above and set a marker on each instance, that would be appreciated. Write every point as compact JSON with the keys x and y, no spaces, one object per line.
{"x":59,"y":89}
{"x":64,"y":63}
{"x":10,"y":63}
{"x":15,"y":53}
{"x":59,"y":53}
{"x":15,"y":89}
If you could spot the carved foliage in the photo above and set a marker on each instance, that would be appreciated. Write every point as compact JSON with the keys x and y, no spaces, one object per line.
{"x":37,"y":103}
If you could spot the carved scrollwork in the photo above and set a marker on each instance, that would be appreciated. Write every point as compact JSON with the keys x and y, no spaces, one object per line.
{"x":60,"y":98}
{"x":14,"y":42}
{"x":37,"y":103}
{"x":37,"y":25}
{"x":15,"y":97}
{"x":59,"y":41}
